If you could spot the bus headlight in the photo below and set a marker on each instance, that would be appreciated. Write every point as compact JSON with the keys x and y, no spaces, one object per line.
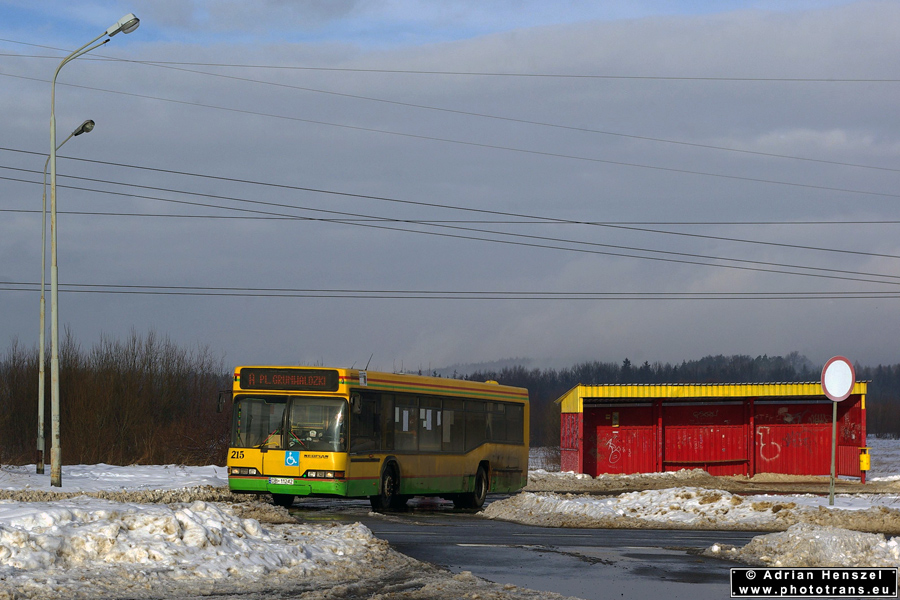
{"x":324,"y":475}
{"x":244,"y":471}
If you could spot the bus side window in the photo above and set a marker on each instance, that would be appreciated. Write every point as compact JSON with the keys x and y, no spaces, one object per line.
{"x":453,"y":438}
{"x":365,"y":425}
{"x":406,"y":413}
{"x":430,"y":424}
{"x":387,"y":422}
{"x":476,"y":424}
{"x":515,"y":416}
{"x":496,"y":422}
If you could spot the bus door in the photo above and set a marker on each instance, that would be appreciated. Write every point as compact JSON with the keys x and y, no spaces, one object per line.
{"x":369,"y":426}
{"x":315,"y":438}
{"x":284,"y":463}
{"x":282,"y":460}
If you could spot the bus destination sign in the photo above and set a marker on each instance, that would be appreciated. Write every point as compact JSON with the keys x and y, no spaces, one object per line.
{"x":300,"y":380}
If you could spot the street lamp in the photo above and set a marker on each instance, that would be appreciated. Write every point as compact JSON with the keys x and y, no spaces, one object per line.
{"x":126,"y":24}
{"x":85,"y":127}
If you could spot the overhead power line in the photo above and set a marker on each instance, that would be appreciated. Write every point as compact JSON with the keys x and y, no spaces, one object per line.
{"x":419,"y":294}
{"x":178,"y":67}
{"x":483,"y":211}
{"x":466,"y":221}
{"x":512,"y":119}
{"x":397,"y":200}
{"x":472,"y":73}
{"x":657,"y":255}
{"x":477,"y":144}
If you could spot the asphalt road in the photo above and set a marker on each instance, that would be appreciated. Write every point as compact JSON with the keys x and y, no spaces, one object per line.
{"x":585,"y":563}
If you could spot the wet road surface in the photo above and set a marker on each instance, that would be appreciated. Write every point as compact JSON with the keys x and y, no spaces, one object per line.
{"x":586,"y":563}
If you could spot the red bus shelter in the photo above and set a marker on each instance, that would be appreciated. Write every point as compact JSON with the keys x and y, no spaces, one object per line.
{"x":726,"y":429}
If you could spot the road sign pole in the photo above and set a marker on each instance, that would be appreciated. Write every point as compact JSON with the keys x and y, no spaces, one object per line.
{"x":833,"y":450}
{"x":838,"y":378}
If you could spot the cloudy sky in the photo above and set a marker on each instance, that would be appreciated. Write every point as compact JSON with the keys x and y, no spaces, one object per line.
{"x":431,"y":184}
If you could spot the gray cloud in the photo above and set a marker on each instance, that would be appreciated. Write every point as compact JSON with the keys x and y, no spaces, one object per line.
{"x":503,"y":166}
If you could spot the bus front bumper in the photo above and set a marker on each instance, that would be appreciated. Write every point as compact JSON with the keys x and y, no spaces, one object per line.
{"x":298,"y":486}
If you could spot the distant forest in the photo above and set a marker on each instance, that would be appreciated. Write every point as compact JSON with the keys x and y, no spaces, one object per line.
{"x":546,"y":385}
{"x":145,"y":400}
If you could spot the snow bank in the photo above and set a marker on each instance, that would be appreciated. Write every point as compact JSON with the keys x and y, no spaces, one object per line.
{"x":680,"y":474}
{"x":674,"y":508}
{"x":695,"y":508}
{"x":143,"y":484}
{"x":885,"y":454}
{"x":556,"y":475}
{"x":811,"y":535}
{"x":82,"y":546}
{"x":103,"y":477}
{"x":540,"y":480}
{"x":805,"y":545}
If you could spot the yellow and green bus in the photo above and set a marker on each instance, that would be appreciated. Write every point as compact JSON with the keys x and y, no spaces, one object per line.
{"x":309,"y":431}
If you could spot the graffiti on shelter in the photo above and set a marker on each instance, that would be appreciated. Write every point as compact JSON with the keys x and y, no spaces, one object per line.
{"x":797,"y":439}
{"x":769,"y":449}
{"x":569,"y":437}
{"x":615,"y":449}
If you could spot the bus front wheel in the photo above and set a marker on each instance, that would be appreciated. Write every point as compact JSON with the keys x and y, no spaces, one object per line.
{"x":475,"y":498}
{"x":389,"y":495}
{"x":283,"y":500}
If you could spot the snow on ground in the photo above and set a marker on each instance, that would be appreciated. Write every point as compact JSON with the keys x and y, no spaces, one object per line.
{"x":805,"y":545}
{"x":885,"y":454}
{"x":83,"y":544}
{"x":138,"y":532}
{"x":811,"y":533}
{"x":95,"y":478}
{"x":83,"y":547}
{"x":698,"y":508}
{"x":88,"y":546}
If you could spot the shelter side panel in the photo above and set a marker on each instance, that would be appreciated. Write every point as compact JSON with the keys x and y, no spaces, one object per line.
{"x":794,"y":439}
{"x":571,"y":427}
{"x":707,"y":436}
{"x":620,"y":440}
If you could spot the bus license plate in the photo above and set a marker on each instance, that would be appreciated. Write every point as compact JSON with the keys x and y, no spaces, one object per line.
{"x":281,"y":481}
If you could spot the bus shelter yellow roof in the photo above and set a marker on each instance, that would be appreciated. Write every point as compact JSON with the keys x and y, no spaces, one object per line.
{"x":573,"y":400}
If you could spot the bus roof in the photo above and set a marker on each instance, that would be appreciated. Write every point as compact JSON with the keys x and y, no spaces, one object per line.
{"x":318,"y":379}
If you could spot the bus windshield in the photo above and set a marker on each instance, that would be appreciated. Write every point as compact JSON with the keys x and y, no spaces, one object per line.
{"x":257,"y":422}
{"x":317,"y":424}
{"x":313,"y":423}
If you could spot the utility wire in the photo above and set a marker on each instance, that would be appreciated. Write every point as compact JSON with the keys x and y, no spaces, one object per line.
{"x":175,"y":66}
{"x":476,"y":144}
{"x":476,"y":73}
{"x":498,"y":213}
{"x":508,"y":119}
{"x":396,"y":200}
{"x":466,"y":221}
{"x":438,"y":294}
{"x":590,"y":250}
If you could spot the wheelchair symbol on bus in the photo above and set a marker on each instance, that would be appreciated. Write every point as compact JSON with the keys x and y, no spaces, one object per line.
{"x":291,"y":459}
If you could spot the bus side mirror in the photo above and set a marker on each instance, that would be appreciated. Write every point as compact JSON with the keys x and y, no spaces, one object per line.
{"x":220,"y":404}
{"x":355,"y":404}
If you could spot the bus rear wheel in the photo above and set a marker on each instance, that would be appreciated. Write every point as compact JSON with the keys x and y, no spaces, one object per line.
{"x":389,"y":497}
{"x":475,"y":498}
{"x":283,"y":500}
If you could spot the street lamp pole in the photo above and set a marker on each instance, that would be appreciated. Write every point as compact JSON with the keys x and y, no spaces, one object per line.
{"x":85,"y":127}
{"x":126,"y":24}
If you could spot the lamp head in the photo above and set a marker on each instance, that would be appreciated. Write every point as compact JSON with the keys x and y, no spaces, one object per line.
{"x":126,"y":24}
{"x":85,"y":127}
